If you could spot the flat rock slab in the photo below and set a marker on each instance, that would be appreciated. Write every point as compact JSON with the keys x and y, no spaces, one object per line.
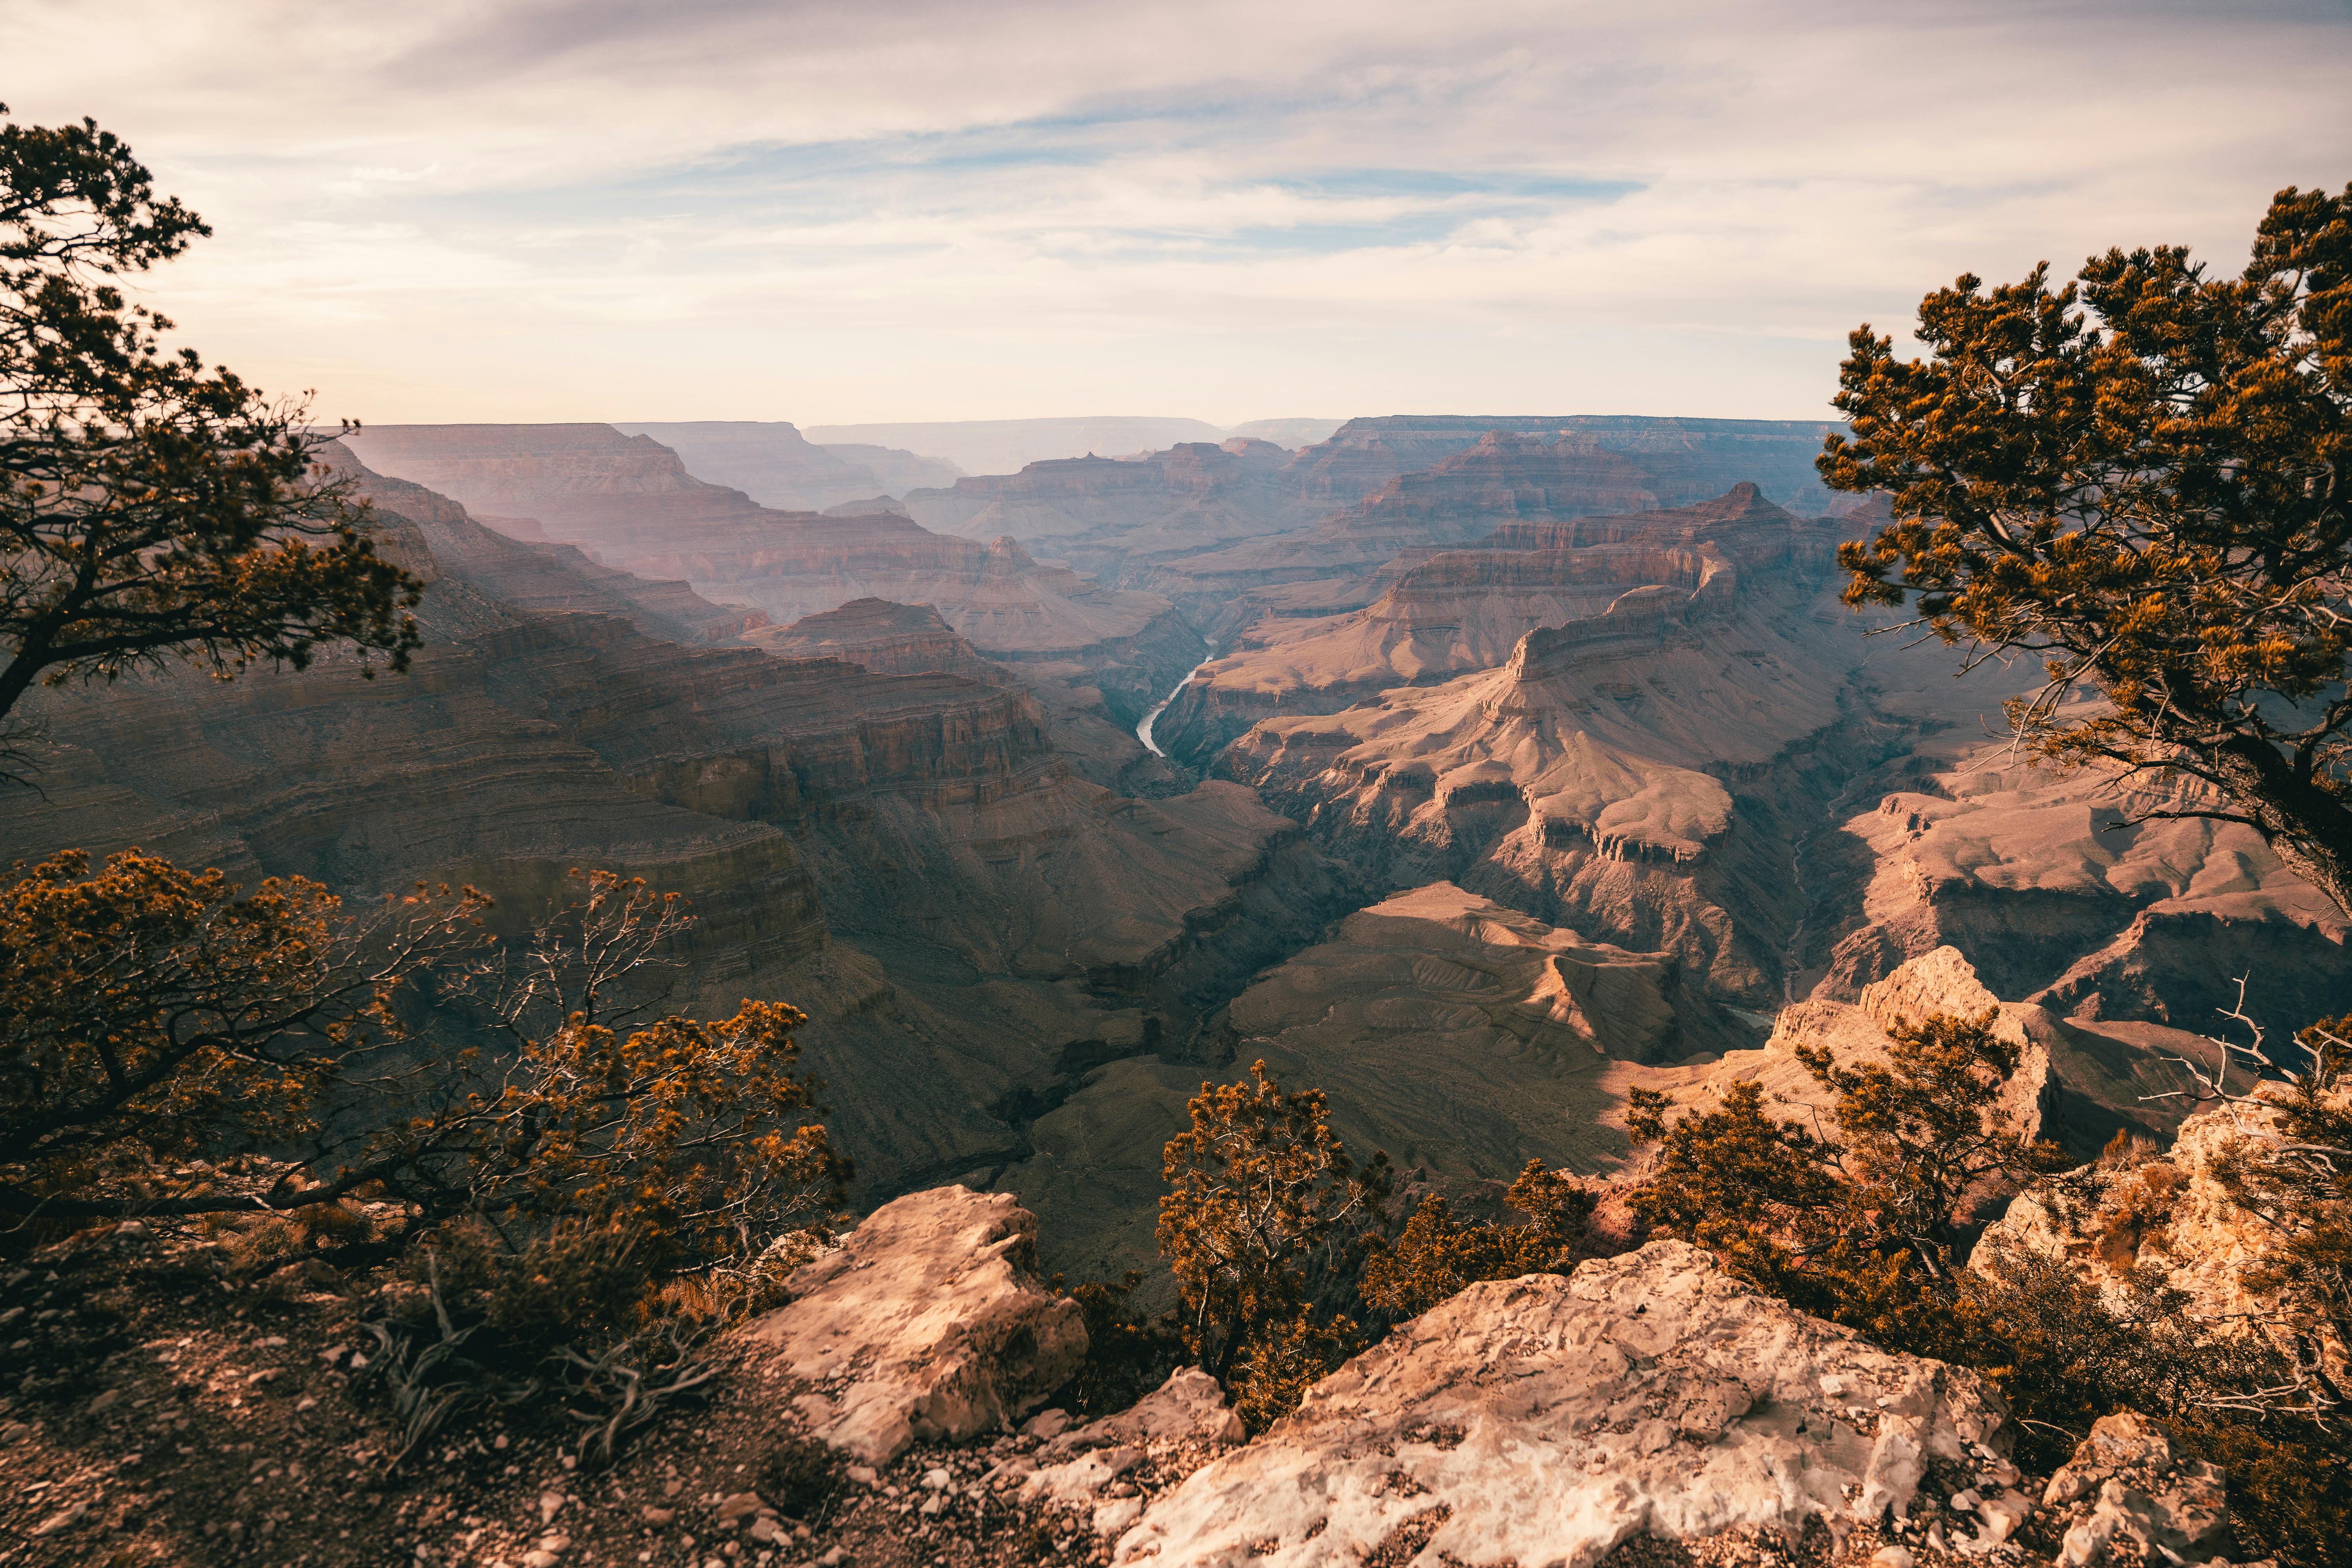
{"x":929,"y":1322}
{"x":1544,"y":1420}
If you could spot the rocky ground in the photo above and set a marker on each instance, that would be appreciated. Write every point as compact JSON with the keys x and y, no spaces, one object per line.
{"x":1646,"y":1411}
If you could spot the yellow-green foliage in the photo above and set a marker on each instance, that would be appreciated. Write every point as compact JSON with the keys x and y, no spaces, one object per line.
{"x":2140,"y":479}
{"x":1266,"y":1212}
{"x":1437,"y":1254}
{"x":1864,"y":1229}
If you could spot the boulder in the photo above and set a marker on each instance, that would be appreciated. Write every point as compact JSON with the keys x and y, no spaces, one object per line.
{"x":2124,"y":1487}
{"x":929,"y":1322}
{"x":1190,"y":1407}
{"x":1547,"y":1419}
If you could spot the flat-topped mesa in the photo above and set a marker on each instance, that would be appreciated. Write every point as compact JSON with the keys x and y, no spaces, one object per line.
{"x":881,"y":637}
{"x":1740,"y":525}
{"x":1473,"y":607}
{"x":1105,"y":513}
{"x":1638,"y":621}
{"x":1496,"y":485}
{"x":767,"y":460}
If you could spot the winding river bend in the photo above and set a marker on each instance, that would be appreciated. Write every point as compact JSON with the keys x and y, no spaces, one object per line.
{"x":1143,"y":730}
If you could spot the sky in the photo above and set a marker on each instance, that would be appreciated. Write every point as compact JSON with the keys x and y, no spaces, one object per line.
{"x":910,"y":210}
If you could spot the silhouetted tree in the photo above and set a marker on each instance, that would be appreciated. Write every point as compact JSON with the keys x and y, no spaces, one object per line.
{"x":150,"y":508}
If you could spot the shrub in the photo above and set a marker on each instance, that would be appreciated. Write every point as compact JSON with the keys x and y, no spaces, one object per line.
{"x":1284,"y":1360}
{"x":1437,"y":1255}
{"x":1862,"y":1232}
{"x":1264,"y":1209}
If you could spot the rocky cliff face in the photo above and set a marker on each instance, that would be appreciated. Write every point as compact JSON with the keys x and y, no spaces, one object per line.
{"x":883,"y":637}
{"x":1467,"y":609}
{"x":519,"y":570}
{"x":1459,"y":482}
{"x":1020,"y":907}
{"x":2035,"y":875}
{"x":896,"y":470}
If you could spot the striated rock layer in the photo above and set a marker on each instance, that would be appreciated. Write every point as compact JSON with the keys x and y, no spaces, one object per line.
{"x":1463,"y":610}
{"x":1108,"y":515}
{"x":632,"y":504}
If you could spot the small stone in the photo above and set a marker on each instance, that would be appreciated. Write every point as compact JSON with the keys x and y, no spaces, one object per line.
{"x":1046,"y":1423}
{"x":833,"y":1559}
{"x":106,"y":1401}
{"x":672,"y":1487}
{"x":550,"y":1505}
{"x":652,"y":1515}
{"x":933,"y":1504}
{"x":305,"y":1402}
{"x":332,"y":1353}
{"x":935,"y":1480}
{"x":767,"y":1531}
{"x":1890,"y":1557}
{"x":863,"y":1475}
{"x":740,"y":1506}
{"x":64,"y":1518}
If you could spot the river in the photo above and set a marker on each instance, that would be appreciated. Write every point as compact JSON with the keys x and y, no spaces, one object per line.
{"x":1143,"y":730}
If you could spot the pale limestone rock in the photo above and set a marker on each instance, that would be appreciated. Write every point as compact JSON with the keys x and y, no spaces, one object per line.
{"x":1189,"y":1407}
{"x":1556,"y":1417}
{"x":2188,"y":1229}
{"x":929,"y":1322}
{"x":2124,"y":1485}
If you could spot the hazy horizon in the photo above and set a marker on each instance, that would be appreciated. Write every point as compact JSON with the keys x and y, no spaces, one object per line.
{"x":921,"y":213}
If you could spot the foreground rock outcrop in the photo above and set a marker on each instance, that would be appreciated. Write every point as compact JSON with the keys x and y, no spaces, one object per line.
{"x":927,"y":1322}
{"x":1548,"y":1420}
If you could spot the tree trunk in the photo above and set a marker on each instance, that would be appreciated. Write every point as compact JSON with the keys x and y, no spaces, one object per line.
{"x":2307,"y":826}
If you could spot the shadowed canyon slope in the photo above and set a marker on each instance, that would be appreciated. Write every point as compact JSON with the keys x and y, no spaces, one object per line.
{"x":819,"y":814}
{"x":632,"y":504}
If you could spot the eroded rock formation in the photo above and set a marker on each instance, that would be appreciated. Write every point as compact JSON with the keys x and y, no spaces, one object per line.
{"x":929,"y":1322}
{"x":1457,"y":611}
{"x":775,"y":465}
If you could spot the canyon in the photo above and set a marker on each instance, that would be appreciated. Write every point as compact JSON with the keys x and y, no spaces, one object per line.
{"x":1509,"y":764}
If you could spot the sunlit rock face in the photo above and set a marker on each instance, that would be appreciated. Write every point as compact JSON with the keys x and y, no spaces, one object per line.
{"x":2042,"y":878}
{"x":1549,"y":1419}
{"x":1454,"y":610}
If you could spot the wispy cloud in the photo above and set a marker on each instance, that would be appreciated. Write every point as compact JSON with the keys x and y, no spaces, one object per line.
{"x":909,"y":210}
